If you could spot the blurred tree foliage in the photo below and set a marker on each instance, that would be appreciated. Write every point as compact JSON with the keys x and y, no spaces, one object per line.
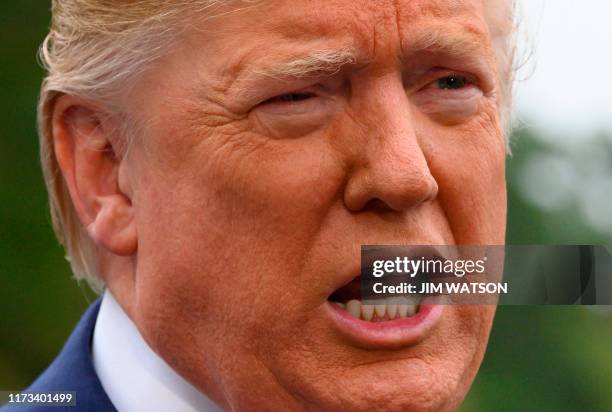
{"x":555,"y":358}
{"x":539,"y":358}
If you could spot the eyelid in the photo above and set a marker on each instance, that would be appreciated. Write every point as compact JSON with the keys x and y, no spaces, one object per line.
{"x":293,"y":118}
{"x":449,"y":106}
{"x":278,"y":98}
{"x":439,"y":75}
{"x":318,"y":86}
{"x":273,"y":94}
{"x":315,"y":105}
{"x":421,"y":81}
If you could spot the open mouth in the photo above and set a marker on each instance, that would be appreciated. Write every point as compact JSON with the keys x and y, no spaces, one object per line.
{"x":348,"y":298}
{"x":392,"y":321}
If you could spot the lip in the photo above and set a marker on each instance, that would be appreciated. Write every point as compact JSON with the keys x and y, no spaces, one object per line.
{"x":392,"y":334}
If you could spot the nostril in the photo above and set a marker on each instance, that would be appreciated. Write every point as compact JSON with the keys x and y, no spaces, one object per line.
{"x":377,"y":205}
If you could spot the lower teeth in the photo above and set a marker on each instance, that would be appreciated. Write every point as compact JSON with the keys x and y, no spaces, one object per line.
{"x":396,"y":308}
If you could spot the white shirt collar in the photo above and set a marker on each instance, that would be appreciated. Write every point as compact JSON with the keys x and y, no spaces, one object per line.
{"x":134,"y":377}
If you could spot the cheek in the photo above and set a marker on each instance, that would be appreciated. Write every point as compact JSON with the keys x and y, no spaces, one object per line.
{"x":469,"y":164}
{"x":470,"y":326}
{"x":232,"y":218}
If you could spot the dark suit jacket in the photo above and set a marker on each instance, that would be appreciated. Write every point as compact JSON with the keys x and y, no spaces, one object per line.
{"x":72,"y":370}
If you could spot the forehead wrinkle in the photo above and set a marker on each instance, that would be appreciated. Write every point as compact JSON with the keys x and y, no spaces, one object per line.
{"x":335,"y":20}
{"x":460,"y":43}
{"x":437,"y":9}
{"x":454,"y":27}
{"x":313,"y":44}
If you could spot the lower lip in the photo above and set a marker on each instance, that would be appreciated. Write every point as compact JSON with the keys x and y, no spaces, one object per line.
{"x":390,"y":334}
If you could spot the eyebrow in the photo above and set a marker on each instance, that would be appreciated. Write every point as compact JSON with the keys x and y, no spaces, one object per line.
{"x":316,"y":63}
{"x":469,"y":43}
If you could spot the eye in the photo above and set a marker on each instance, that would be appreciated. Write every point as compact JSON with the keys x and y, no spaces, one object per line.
{"x":452,"y":82}
{"x":294,"y":114}
{"x":449,"y":97}
{"x":290,"y":98}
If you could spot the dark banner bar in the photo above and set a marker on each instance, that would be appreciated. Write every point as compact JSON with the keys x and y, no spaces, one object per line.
{"x":504,"y":275}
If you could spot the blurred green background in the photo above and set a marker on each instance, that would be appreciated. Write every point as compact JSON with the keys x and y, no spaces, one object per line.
{"x":539,"y":358}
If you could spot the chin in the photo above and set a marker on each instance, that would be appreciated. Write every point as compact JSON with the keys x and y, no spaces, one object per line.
{"x":403,"y":385}
{"x":433,"y":374}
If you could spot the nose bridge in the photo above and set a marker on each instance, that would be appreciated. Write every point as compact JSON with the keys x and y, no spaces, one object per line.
{"x":392,"y":166}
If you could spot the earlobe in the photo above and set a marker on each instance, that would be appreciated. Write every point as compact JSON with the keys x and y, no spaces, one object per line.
{"x":85,"y":147}
{"x":113,"y":226}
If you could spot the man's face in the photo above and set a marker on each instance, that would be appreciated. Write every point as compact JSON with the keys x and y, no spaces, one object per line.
{"x":279,"y":139}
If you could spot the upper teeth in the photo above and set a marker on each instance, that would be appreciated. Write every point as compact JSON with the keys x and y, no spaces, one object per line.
{"x":392,"y":308}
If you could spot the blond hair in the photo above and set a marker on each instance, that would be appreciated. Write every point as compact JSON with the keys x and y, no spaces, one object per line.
{"x":94,"y":50}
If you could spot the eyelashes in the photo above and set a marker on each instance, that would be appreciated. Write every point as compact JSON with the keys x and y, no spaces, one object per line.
{"x":290,"y":98}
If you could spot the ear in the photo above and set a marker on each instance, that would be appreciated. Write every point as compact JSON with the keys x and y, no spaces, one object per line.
{"x":86,"y":147}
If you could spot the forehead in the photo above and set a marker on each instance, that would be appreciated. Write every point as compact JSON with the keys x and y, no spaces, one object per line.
{"x":242,"y":33}
{"x":318,"y":17}
{"x":236,"y":42}
{"x":312,"y":19}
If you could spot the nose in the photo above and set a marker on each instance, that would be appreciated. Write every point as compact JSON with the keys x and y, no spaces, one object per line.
{"x":391,"y":170}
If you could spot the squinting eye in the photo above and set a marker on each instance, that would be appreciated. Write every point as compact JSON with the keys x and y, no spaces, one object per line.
{"x":453,"y":82}
{"x":290,"y":98}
